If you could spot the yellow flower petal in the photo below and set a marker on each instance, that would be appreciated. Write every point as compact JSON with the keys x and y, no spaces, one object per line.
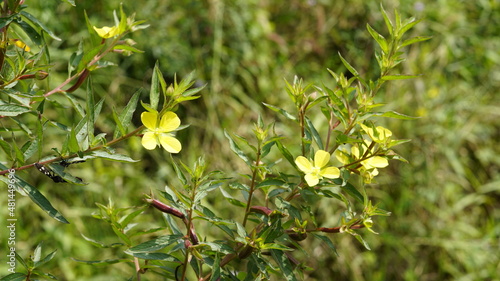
{"x":379,"y":162}
{"x":303,"y":164}
{"x":169,"y":122}
{"x":311,"y":179}
{"x":170,"y":144}
{"x":330,"y":172}
{"x":21,"y":45}
{"x":341,"y":156}
{"x":149,"y":119}
{"x":106,"y":31}
{"x":321,"y":158}
{"x":375,"y":162}
{"x":149,"y":140}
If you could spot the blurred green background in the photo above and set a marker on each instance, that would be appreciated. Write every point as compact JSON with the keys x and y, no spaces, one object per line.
{"x":445,"y":222}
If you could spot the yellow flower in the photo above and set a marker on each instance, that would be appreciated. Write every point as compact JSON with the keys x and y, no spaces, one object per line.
{"x":379,"y":135}
{"x":158,"y":133}
{"x":20,"y":44}
{"x":371,"y":162}
{"x":315,"y":172}
{"x":107,"y":32}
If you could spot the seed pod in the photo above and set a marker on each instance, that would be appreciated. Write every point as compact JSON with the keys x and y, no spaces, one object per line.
{"x":298,"y":236}
{"x":261,"y":210}
{"x":193,"y":236}
{"x":245,"y":252}
{"x":79,"y":82}
{"x":165,"y":208}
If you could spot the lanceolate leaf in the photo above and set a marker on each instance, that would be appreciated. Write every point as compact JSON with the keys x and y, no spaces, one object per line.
{"x":379,"y":38}
{"x":281,"y":111}
{"x":236,"y":149}
{"x":414,"y":40}
{"x":398,"y":77}
{"x":284,"y":264}
{"x":155,"y":244}
{"x":36,"y":22}
{"x":394,"y":114}
{"x":349,"y":67}
{"x":114,"y":157}
{"x":36,"y":197}
{"x":12,"y":109}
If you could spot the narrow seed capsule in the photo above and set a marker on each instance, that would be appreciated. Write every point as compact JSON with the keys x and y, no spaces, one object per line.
{"x":193,"y":236}
{"x":261,"y":210}
{"x":165,"y":208}
{"x":245,"y":252}
{"x":79,"y":82}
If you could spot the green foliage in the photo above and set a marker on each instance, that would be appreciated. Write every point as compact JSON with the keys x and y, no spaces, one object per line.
{"x":275,"y":226}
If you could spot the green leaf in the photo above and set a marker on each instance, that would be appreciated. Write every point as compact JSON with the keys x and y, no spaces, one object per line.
{"x":284,"y":264}
{"x":398,"y":77}
{"x":407,"y":25}
{"x":232,"y":200}
{"x":388,"y":21}
{"x":114,"y":157}
{"x":14,"y":277}
{"x":34,"y":36}
{"x":155,"y":256}
{"x":155,"y":244}
{"x":36,"y":22}
{"x":154,"y":93}
{"x":90,"y":106}
{"x":396,"y":115}
{"x":30,"y":148}
{"x":327,"y":241}
{"x":102,"y":262}
{"x":128,"y":111}
{"x":36,"y":197}
{"x":4,"y":21}
{"x":349,"y":67}
{"x":73,"y":142}
{"x":75,"y":58}
{"x":71,"y":2}
{"x":315,"y":135}
{"x":351,"y":190}
{"x":379,"y":38}
{"x":414,"y":40}
{"x":127,"y":48}
{"x":284,"y":151}
{"x":98,"y":244}
{"x":271,"y":182}
{"x":76,"y":104}
{"x":362,"y":241}
{"x":281,"y":111}
{"x":46,"y":259}
{"x":94,"y":37}
{"x":236,"y":149}
{"x":12,"y":109}
{"x":88,"y":57}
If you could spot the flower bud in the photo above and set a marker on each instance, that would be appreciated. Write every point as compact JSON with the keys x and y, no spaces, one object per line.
{"x":40,"y":75}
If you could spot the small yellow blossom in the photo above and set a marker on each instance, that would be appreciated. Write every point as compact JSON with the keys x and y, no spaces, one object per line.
{"x":317,"y":170}
{"x":20,"y":44}
{"x":379,"y":135}
{"x":107,"y":32}
{"x":159,"y":132}
{"x":371,"y":162}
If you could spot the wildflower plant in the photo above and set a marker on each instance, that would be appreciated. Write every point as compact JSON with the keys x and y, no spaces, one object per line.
{"x":273,"y":204}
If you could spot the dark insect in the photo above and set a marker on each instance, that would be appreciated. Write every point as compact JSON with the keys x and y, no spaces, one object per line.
{"x":66,"y":163}
{"x":49,"y":173}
